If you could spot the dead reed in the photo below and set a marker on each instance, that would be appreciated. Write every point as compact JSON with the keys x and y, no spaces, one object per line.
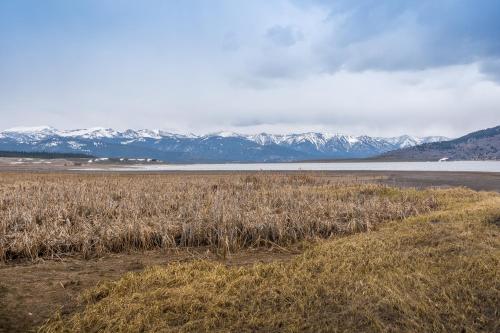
{"x":438,"y":272}
{"x":48,"y":215}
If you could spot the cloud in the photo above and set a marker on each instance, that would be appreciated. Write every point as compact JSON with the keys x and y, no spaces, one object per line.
{"x":491,"y":68}
{"x":408,"y":35}
{"x":447,"y":100}
{"x":355,"y":66}
{"x":362,"y":35}
{"x":284,"y":36}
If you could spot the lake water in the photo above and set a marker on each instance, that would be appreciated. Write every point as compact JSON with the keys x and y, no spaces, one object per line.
{"x":477,"y":166}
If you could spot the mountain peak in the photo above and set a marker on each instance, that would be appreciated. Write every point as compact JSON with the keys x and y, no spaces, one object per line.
{"x":225,"y":134}
{"x":30,"y":129}
{"x":93,"y":132}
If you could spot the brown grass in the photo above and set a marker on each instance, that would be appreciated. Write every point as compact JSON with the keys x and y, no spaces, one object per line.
{"x":49,"y":215}
{"x":438,"y":272}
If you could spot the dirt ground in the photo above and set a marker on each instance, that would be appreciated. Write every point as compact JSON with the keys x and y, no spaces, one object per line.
{"x":30,"y":293}
{"x":480,"y":181}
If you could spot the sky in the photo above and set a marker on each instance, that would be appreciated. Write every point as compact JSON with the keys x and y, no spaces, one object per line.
{"x":419,"y":67}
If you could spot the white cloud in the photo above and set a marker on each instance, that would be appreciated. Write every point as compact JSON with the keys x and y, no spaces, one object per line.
{"x":278,"y":66}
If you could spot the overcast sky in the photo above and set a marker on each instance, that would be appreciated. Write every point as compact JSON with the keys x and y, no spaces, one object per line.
{"x":358,"y":67}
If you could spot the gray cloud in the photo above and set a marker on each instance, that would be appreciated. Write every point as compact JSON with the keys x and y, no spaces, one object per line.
{"x":410,"y":35}
{"x":364,"y":35}
{"x":491,"y":67}
{"x":284,"y":35}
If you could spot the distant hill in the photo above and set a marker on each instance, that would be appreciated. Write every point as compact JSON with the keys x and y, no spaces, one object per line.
{"x":45,"y":155}
{"x":480,"y":145}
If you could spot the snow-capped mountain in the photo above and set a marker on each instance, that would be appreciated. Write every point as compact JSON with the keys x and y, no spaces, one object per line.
{"x":215,"y":147}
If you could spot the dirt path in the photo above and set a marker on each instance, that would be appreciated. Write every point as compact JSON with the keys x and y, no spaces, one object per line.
{"x":30,"y":293}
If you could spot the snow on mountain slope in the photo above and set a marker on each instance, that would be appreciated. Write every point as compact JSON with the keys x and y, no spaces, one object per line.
{"x":30,"y":130}
{"x":91,"y":133}
{"x":224,"y":134}
{"x":410,"y":141}
{"x":319,"y":140}
{"x":220,"y":146}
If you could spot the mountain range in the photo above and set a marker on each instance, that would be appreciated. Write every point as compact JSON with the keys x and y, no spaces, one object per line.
{"x":215,"y":147}
{"x":479,"y":145}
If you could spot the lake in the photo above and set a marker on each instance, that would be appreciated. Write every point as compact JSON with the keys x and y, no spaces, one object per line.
{"x":471,"y":166}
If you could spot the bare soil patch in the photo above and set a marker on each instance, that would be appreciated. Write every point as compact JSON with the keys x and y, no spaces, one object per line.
{"x":31,"y":292}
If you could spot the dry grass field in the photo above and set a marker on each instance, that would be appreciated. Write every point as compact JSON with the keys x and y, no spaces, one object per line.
{"x":377,"y":258}
{"x":56,"y":214}
{"x":438,"y":272}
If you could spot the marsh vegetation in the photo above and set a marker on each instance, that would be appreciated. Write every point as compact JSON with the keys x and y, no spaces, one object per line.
{"x":57,"y":214}
{"x":367,"y":257}
{"x":436,"y":272}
